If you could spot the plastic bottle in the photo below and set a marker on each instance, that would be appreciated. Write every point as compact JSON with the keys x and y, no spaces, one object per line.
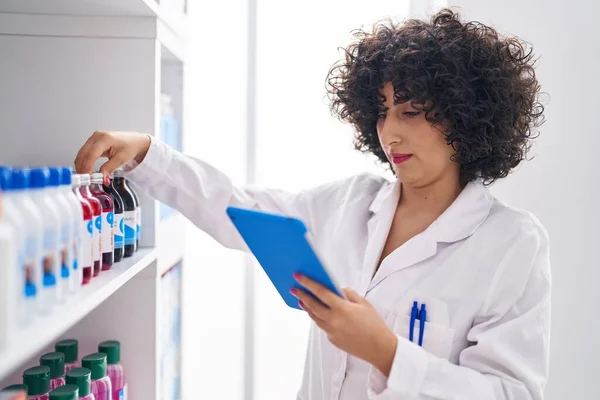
{"x":65,"y":239}
{"x":118,"y":228}
{"x":138,"y":214}
{"x":129,"y":207}
{"x":14,"y":392}
{"x":37,"y":380}
{"x":70,"y":348}
{"x":112,"y":349}
{"x":56,"y":362}
{"x":82,"y":377}
{"x":77,"y":217}
{"x":97,"y":221}
{"x":51,"y":222}
{"x":108,"y":220}
{"x":67,"y":392}
{"x":26,"y":293}
{"x":86,"y":232}
{"x":101,"y":387}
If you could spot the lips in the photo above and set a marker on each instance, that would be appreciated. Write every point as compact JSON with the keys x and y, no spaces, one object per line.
{"x":400,"y":158}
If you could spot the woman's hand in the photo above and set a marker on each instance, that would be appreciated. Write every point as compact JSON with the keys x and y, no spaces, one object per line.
{"x":353,"y":325}
{"x":118,"y":147}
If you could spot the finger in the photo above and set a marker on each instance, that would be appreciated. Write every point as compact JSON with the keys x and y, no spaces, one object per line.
{"x":118,"y":160}
{"x":311,"y":303}
{"x":87,"y":156}
{"x":86,"y":147}
{"x":352,"y":295}
{"x":320,"y":323}
{"x":319,"y":291}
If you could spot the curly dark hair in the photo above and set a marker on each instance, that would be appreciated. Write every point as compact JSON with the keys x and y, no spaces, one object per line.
{"x":478,"y":87}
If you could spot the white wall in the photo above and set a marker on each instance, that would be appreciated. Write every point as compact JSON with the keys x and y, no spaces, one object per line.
{"x":561,"y":185}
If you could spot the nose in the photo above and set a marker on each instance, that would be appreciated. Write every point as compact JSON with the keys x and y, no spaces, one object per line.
{"x":389,"y":133}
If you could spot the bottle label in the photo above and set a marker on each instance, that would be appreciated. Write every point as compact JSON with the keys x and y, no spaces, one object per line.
{"x":122,"y":393}
{"x":97,"y":228}
{"x":65,"y":253}
{"x":130,"y":227}
{"x":29,"y":268}
{"x":50,"y":259}
{"x":108,"y":220}
{"x":138,"y":221}
{"x":75,"y":246}
{"x":86,"y":237}
{"x":119,"y":230}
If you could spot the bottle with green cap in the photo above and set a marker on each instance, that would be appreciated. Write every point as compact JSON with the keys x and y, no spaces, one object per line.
{"x":14,"y":392}
{"x":65,"y":392}
{"x":112,"y":349}
{"x":82,"y":377}
{"x":56,"y":362}
{"x":70,"y":348}
{"x":37,"y":380}
{"x":101,"y":387}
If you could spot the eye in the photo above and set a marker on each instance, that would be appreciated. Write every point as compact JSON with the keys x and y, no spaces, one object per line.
{"x":412,"y":114}
{"x":382,"y":114}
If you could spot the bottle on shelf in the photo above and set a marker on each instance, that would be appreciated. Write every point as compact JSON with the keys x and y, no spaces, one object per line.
{"x":26,"y":291}
{"x":70,"y":348}
{"x":85,"y":182}
{"x":108,"y":220}
{"x":65,"y":240}
{"x":129,"y":206}
{"x":138,"y":214}
{"x":86,"y":232}
{"x":77,"y":217}
{"x":118,"y":229}
{"x":112,"y":349}
{"x":101,"y":387}
{"x":14,"y":392}
{"x":51,"y":222}
{"x":56,"y":362}
{"x":37,"y":380}
{"x":82,"y":377}
{"x":66,"y":392}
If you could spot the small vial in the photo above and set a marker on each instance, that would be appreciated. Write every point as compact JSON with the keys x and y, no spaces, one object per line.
{"x":56,"y":362}
{"x":66,"y":392}
{"x":101,"y":387}
{"x":82,"y":377}
{"x":37,"y":380}
{"x":108,"y":220}
{"x":86,"y":233}
{"x":85,"y":181}
{"x":112,"y":349}
{"x":70,"y":348}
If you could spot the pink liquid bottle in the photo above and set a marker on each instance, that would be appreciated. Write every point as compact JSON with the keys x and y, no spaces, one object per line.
{"x":97,"y":228}
{"x":82,"y":377}
{"x":108,"y":220}
{"x":65,"y":392}
{"x":70,"y":348}
{"x":37,"y":380}
{"x":101,"y":387}
{"x":86,"y":233}
{"x":56,"y":362}
{"x":112,"y":349}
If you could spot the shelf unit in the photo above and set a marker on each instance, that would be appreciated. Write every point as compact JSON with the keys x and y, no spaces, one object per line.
{"x":71,"y":67}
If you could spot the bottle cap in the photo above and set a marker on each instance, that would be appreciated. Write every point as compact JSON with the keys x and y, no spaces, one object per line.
{"x":37,"y":380}
{"x":5,"y":179}
{"x":119,"y":173}
{"x":38,"y":178}
{"x":96,"y":363}
{"x":69,"y":347}
{"x":53,"y":176}
{"x":75,"y":181}
{"x":66,"y":392}
{"x":112,"y":349}
{"x":15,"y":388}
{"x":56,"y":362}
{"x":82,"y":377}
{"x":97,"y":177}
{"x":65,"y":176}
{"x":19,"y":179}
{"x":84,"y":179}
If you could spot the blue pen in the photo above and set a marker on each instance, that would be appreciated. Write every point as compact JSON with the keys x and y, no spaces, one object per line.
{"x":422,"y":319}
{"x":413,"y":317}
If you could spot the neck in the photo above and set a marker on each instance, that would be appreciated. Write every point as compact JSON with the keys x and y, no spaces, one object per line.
{"x":434,"y":198}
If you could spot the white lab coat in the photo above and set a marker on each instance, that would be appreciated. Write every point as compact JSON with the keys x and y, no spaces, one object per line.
{"x":482,"y":268}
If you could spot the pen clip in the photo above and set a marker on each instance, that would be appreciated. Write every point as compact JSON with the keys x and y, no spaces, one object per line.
{"x":422,"y":319}
{"x":413,"y":316}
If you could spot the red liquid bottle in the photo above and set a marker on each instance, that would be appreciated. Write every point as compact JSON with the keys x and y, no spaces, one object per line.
{"x":97,"y":220}
{"x":86,"y":233}
{"x":108,"y":220}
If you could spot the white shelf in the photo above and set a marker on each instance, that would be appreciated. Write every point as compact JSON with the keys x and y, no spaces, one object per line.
{"x":171,"y":242}
{"x":46,"y":329}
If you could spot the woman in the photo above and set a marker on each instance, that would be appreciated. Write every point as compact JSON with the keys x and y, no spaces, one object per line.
{"x":450,"y":107}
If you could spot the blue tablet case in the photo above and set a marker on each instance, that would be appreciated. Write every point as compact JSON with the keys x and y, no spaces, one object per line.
{"x":280,"y":246}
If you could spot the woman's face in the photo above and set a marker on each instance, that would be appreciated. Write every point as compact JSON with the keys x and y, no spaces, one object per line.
{"x":417,"y":150}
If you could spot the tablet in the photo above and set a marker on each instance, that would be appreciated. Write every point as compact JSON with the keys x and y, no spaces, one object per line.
{"x":281,"y":247}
